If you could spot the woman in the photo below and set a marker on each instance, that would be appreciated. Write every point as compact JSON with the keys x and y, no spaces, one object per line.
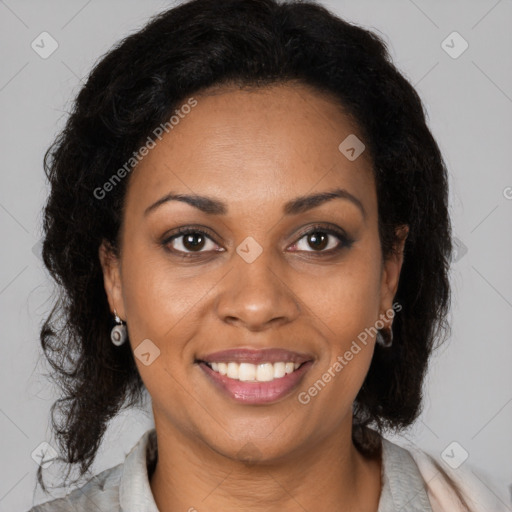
{"x":248,"y":218}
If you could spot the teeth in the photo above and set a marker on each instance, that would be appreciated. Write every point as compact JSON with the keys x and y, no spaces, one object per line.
{"x":264,"y":372}
{"x":233,"y":370}
{"x":279,"y":370}
{"x":247,"y":372}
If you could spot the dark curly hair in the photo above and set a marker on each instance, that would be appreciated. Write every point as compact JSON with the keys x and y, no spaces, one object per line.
{"x":134,"y":88}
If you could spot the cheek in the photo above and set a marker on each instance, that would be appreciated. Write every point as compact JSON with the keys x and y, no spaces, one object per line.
{"x":161,"y":305}
{"x":346,"y":305}
{"x":345,"y":299}
{"x":164,"y":302}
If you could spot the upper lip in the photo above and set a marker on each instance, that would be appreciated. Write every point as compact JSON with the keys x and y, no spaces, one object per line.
{"x":268,"y":355}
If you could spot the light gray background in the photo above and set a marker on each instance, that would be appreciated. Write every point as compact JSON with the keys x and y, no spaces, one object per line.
{"x":468,"y":393}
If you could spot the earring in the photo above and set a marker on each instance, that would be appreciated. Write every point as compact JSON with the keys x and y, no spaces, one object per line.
{"x":118,"y":334}
{"x":387,"y":341}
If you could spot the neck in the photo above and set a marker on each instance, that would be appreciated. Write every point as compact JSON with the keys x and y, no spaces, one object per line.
{"x":330,"y":474}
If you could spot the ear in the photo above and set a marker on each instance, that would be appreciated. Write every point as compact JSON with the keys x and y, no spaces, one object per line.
{"x":110,"y":265}
{"x":391,"y":270}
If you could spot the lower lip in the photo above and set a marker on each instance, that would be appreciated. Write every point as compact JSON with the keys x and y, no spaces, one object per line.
{"x":257,"y":392}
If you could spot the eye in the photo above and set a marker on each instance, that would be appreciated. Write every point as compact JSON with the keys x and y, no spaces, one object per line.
{"x":188,"y":241}
{"x":323,"y":240}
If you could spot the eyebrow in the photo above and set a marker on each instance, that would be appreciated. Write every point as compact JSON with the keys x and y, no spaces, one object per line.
{"x":212,"y":206}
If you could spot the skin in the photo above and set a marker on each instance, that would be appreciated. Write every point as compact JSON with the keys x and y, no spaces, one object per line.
{"x":255,"y":150}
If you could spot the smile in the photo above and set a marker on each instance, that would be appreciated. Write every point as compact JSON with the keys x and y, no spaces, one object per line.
{"x":248,"y":372}
{"x":255,"y":376}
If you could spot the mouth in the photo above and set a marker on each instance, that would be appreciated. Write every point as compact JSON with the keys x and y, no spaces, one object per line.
{"x":255,"y":376}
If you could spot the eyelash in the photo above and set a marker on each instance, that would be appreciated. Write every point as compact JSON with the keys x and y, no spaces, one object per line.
{"x":344,"y":240}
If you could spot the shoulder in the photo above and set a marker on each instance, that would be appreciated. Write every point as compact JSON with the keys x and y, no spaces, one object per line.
{"x":464,"y":488}
{"x":127,"y":483}
{"x":100,"y":493}
{"x":403,"y":487}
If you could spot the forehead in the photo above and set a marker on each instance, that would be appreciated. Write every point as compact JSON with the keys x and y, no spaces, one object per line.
{"x":245,"y":145}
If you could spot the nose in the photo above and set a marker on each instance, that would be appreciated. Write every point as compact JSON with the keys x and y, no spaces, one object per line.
{"x":257,"y":295}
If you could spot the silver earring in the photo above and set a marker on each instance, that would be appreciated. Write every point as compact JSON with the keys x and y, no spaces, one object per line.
{"x":118,"y":334}
{"x":387,"y":341}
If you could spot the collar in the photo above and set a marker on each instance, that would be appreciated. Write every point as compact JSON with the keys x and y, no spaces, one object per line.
{"x":134,"y":490}
{"x":403,"y":487}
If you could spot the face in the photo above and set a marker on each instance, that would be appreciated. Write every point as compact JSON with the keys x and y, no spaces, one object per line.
{"x":261,"y":271}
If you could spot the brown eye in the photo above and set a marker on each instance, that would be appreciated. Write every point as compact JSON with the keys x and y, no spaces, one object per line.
{"x":193,"y":241}
{"x":190,"y":241}
{"x":322,"y":240}
{"x":318,"y":240}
